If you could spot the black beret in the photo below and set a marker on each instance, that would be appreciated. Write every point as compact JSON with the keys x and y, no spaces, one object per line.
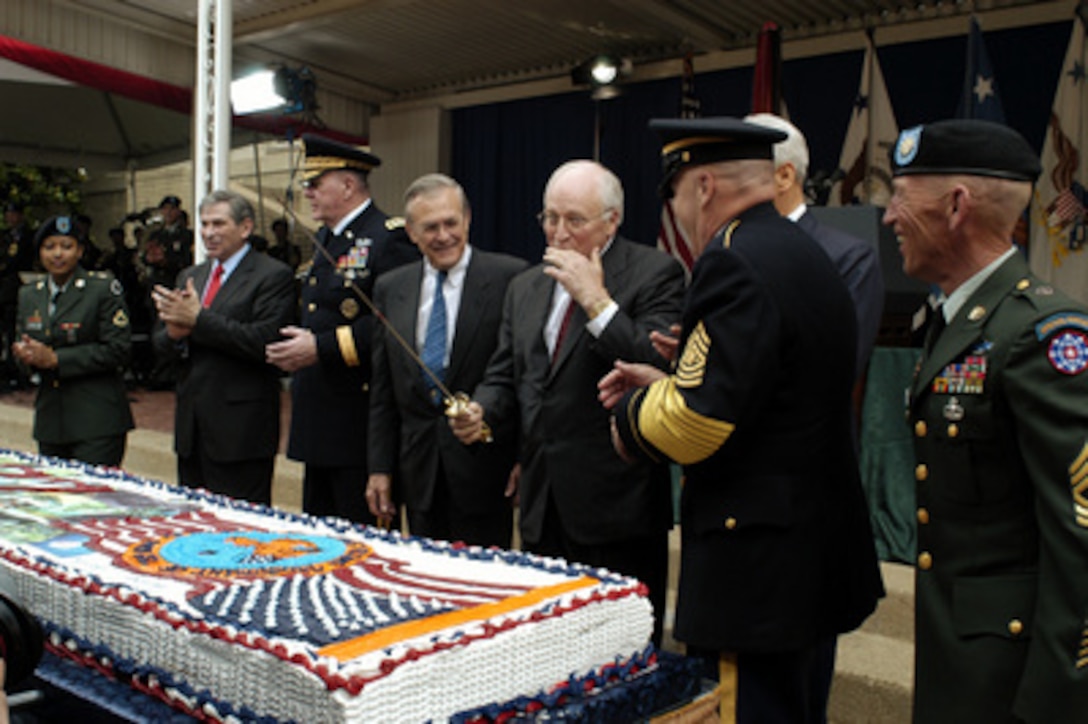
{"x":14,"y":206}
{"x":55,"y":226}
{"x":965,"y":147}
{"x":170,"y":201}
{"x":695,"y":141}
{"x":325,"y":154}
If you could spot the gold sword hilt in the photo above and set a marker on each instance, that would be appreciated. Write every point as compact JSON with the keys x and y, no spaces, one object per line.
{"x":457,"y":405}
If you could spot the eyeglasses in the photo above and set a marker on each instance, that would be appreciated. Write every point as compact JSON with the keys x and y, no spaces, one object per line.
{"x":314,"y":182}
{"x":573,"y":222}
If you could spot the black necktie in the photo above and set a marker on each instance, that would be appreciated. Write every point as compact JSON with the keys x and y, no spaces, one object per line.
{"x":936,"y":326}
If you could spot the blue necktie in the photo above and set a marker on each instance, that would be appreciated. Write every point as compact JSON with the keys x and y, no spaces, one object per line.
{"x":434,"y":341}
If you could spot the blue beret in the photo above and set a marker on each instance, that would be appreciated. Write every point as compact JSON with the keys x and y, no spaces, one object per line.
{"x":965,"y":147}
{"x":696,"y":141}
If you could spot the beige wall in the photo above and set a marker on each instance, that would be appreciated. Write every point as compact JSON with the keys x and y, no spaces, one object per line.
{"x":410,"y":144}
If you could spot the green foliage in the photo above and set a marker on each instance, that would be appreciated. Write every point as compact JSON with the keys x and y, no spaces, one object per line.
{"x":41,"y":191}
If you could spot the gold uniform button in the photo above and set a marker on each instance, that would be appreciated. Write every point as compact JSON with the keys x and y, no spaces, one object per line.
{"x":311,"y":307}
{"x":920,"y":428}
{"x":56,"y":384}
{"x":1023,"y":284}
{"x":921,"y":472}
{"x":1016,"y":627}
{"x":730,"y":523}
{"x":953,"y":430}
{"x":313,"y":281}
{"x":923,"y":516}
{"x":925,"y":561}
{"x":366,"y":387}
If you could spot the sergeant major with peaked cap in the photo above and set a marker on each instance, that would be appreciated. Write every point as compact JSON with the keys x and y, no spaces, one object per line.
{"x":329,"y":352}
{"x":999,"y":413}
{"x":777,"y":556}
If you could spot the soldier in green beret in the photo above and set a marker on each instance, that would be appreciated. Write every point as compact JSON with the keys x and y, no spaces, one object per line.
{"x":73,"y":330}
{"x":999,"y":412}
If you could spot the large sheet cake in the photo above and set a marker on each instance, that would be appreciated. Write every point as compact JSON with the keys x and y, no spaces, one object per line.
{"x":238,"y":612}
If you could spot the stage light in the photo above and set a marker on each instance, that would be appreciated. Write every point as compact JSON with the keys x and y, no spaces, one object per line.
{"x":283,"y":90}
{"x":602,"y":73}
{"x":255,"y":93}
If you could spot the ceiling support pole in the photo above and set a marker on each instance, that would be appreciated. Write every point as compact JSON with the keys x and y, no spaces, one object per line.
{"x":211,"y":102}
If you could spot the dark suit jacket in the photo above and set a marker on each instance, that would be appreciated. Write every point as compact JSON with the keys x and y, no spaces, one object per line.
{"x":228,"y":397}
{"x":565,"y":449}
{"x":84,"y":396}
{"x":999,"y":413}
{"x":858,"y":263}
{"x":330,"y":400}
{"x":406,"y":427}
{"x":777,"y":550}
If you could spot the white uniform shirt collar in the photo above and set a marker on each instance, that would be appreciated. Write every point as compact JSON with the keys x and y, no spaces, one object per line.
{"x":963,"y":292}
{"x":343,"y":223}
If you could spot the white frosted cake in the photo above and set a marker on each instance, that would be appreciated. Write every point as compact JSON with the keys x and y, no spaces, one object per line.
{"x":239,"y":612}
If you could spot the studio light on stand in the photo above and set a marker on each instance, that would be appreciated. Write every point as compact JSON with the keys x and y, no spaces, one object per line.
{"x":283,"y":90}
{"x":602,"y":73}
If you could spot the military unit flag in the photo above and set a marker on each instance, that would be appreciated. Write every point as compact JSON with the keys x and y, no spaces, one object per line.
{"x":864,"y":164}
{"x":1058,"y":214}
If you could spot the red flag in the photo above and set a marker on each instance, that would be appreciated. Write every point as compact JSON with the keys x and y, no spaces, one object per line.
{"x":670,"y":237}
{"x":766,"y":89}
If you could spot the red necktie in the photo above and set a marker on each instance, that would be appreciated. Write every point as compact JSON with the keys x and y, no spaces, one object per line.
{"x":563,"y":327}
{"x":213,"y":285}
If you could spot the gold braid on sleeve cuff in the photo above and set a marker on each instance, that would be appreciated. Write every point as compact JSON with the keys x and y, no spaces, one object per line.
{"x":346,"y":340}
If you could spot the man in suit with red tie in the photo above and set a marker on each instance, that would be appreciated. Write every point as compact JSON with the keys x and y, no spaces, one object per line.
{"x":595,"y":299}
{"x":216,"y":323}
{"x":449,"y":307}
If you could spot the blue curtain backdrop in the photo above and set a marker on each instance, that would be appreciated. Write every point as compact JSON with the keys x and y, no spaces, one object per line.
{"x":503,"y":153}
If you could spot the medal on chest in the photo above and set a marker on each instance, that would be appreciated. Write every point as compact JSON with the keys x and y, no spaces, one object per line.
{"x":357,"y":258}
{"x":966,"y":376}
{"x":70,"y":331}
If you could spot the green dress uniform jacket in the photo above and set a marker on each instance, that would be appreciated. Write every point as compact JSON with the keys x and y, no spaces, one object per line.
{"x":999,"y":411}
{"x":777,"y":553}
{"x":84,"y":396}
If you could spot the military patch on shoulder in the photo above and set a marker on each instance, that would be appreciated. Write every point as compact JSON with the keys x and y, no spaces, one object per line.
{"x":394,"y":222}
{"x":120,"y":319}
{"x":1054,"y":322}
{"x":690,"y":371}
{"x":116,"y":288}
{"x":1068,"y":351}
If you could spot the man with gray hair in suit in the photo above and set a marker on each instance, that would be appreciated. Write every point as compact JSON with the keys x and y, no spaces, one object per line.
{"x":857,"y":261}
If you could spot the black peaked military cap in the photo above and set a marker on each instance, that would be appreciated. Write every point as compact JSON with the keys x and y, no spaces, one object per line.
{"x":325,"y":154}
{"x":695,"y":141}
{"x":55,"y":226}
{"x":170,"y":201}
{"x":965,"y":147}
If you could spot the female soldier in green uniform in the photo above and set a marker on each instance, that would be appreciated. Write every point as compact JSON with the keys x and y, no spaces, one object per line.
{"x":73,"y":330}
